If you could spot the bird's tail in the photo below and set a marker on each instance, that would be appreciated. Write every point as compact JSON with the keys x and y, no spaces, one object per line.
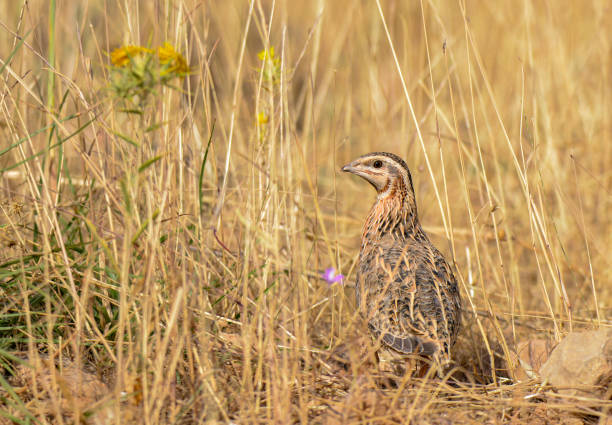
{"x":410,"y":344}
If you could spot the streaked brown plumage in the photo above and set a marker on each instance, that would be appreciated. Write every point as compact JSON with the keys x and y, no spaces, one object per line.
{"x":404,"y":286}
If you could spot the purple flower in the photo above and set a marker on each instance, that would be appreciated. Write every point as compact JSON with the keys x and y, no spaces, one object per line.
{"x":331,"y":277}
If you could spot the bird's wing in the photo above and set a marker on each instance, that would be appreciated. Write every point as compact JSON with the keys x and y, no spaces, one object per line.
{"x":407,"y":300}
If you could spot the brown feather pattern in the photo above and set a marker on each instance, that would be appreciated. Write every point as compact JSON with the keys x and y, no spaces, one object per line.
{"x":404,"y":286}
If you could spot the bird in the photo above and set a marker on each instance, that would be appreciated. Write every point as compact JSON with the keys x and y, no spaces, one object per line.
{"x":404,"y":287}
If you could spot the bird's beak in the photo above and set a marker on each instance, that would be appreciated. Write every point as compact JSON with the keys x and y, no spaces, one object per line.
{"x":349,"y":168}
{"x":356,"y":168}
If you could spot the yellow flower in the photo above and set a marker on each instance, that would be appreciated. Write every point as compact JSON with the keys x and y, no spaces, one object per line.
{"x":266,"y":54}
{"x":121,"y":57}
{"x":262,"y":118}
{"x":168,"y":56}
{"x":271,"y":65}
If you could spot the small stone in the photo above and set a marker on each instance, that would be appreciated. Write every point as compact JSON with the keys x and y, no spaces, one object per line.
{"x":581,"y":365}
{"x":529,"y":357}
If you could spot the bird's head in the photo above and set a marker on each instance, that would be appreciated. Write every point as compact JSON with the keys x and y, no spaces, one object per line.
{"x":381,"y":170}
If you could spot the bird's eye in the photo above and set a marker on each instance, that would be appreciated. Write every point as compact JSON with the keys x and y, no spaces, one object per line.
{"x":377,"y":163}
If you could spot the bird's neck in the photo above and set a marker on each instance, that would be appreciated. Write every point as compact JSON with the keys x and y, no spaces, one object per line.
{"x":393,"y":212}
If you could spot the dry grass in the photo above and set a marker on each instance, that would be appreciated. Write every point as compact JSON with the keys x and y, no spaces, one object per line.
{"x":191,"y":288}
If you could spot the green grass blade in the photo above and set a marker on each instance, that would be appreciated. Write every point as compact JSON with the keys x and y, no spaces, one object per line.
{"x":127,"y":139}
{"x":15,"y":50}
{"x":35,"y":133}
{"x":201,"y":178}
{"x":61,"y":142}
{"x":149,"y":162}
{"x":145,"y":225}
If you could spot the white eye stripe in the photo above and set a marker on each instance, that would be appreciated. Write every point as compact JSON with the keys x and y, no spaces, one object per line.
{"x":392,"y":159}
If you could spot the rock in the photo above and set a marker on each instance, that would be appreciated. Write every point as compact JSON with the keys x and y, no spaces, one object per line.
{"x":581,"y":365}
{"x":529,"y":357}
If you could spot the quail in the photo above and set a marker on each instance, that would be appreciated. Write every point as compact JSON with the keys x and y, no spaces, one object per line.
{"x":405,"y":289}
